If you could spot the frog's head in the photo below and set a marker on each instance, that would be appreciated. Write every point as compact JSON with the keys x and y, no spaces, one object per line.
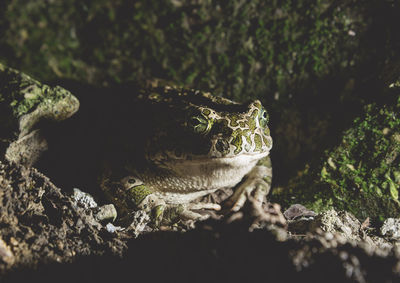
{"x":200,"y":126}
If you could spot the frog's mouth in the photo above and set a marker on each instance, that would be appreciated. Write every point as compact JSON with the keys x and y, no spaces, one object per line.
{"x":233,"y":161}
{"x":213,"y":157}
{"x":217,"y":154}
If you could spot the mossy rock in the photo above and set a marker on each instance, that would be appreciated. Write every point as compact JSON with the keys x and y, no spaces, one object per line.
{"x":25,"y":105}
{"x":362,"y":173}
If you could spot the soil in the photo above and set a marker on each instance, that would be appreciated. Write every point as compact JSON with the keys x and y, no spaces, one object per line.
{"x":45,"y":236}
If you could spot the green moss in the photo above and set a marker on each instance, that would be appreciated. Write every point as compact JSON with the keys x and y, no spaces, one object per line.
{"x":234,"y":47}
{"x":361,"y":174}
{"x":22,"y":94}
{"x":24,"y":102}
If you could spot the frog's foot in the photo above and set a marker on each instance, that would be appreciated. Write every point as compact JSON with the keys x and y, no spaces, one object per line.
{"x":162,"y":213}
{"x":189,"y":214}
{"x":173,"y":213}
{"x":256,"y":186}
{"x":141,"y":198}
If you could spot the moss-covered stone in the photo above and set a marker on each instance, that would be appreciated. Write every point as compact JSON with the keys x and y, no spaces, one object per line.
{"x":24,"y":103}
{"x":361,"y":174}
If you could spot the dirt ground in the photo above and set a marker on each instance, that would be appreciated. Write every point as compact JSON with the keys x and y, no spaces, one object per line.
{"x":46,"y":237}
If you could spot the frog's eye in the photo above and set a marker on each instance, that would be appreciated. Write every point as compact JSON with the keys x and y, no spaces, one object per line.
{"x":263,"y":118}
{"x":199,"y":124}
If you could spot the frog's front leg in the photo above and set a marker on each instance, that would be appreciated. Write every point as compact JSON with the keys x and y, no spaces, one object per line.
{"x":165,"y":213}
{"x":161,"y":212}
{"x":256,"y":185}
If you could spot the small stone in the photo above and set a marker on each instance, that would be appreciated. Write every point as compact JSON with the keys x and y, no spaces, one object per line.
{"x":297,"y":211}
{"x":140,"y":220}
{"x":83,"y":199}
{"x":391,"y":228}
{"x":106,"y":212}
{"x":6,"y":255}
{"x":13,"y":242}
{"x":112,"y":229}
{"x":60,"y":245}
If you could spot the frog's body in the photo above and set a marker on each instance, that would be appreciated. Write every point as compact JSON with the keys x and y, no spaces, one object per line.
{"x":184,"y":144}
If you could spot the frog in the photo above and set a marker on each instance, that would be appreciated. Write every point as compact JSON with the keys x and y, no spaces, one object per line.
{"x":179,"y":145}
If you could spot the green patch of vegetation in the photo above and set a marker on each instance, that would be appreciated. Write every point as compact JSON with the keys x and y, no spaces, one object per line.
{"x":236,"y":48}
{"x":25,"y":101}
{"x":361,"y":174}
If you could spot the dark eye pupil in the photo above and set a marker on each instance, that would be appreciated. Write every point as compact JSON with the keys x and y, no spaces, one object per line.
{"x":131,"y":181}
{"x":265,"y":115}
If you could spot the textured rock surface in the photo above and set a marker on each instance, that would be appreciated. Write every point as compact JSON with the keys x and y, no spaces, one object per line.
{"x":45,"y":237}
{"x":40,"y":224}
{"x":391,"y":228}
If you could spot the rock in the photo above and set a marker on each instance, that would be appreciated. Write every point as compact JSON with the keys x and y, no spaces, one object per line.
{"x":39,"y":223}
{"x":6,"y":255}
{"x":83,"y":199}
{"x":26,"y":105}
{"x":296,"y":211}
{"x":102,"y":213}
{"x":112,"y":229}
{"x":106,"y":213}
{"x":330,"y":221}
{"x":338,"y":222}
{"x":391,"y":228}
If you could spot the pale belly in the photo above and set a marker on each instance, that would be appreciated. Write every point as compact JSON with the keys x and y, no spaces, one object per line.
{"x":189,"y":180}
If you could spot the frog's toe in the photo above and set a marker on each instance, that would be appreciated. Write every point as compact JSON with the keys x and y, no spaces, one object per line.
{"x":189,"y":211}
{"x":170,"y":214}
{"x":256,"y":186}
{"x":191,"y":215}
{"x":239,"y":198}
{"x":203,"y":205}
{"x":257,"y":189}
{"x":261,"y":192}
